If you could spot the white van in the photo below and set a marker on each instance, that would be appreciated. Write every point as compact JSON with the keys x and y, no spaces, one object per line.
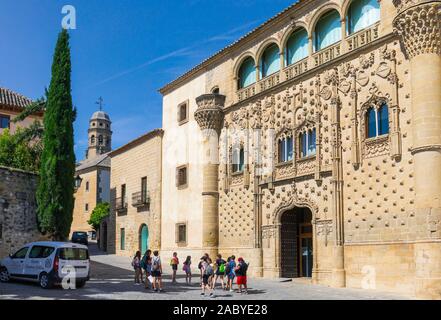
{"x":47,"y":263}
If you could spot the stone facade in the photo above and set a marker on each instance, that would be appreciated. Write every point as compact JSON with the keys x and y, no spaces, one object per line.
{"x":369,"y":209}
{"x":18,"y":217}
{"x":137,"y":211}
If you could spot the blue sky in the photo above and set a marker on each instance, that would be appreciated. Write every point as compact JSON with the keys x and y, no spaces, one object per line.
{"x":122,"y":50}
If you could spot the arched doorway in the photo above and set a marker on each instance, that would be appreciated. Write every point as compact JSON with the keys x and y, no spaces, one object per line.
{"x":296,"y":243}
{"x":143,"y":238}
{"x":103,"y":237}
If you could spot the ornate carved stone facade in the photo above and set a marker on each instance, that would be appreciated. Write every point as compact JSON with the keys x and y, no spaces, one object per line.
{"x":359,"y":200}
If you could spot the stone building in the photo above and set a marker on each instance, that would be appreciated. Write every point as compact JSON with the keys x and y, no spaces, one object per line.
{"x":311,"y":147}
{"x":11,"y":105}
{"x":135,"y":220}
{"x":18,"y":216}
{"x":92,"y":175}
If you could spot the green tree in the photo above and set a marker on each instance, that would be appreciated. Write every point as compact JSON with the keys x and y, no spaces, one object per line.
{"x":101,"y":211}
{"x":56,"y":187}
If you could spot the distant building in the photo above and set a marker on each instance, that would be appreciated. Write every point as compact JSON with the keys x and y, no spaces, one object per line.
{"x":136,"y":177}
{"x":92,"y":175}
{"x":11,"y":105}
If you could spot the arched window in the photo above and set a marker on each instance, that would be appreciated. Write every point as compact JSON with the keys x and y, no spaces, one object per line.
{"x":285,"y":149}
{"x":297,"y":47}
{"x":100,"y":140}
{"x":92,"y":139}
{"x":247,"y":73}
{"x":270,"y":62}
{"x":377,"y":121}
{"x":307,"y":143}
{"x":362,"y":14}
{"x":238,"y":159}
{"x":327,"y":30}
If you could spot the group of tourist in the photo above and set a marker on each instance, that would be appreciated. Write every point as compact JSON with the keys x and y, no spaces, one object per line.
{"x":211,"y":271}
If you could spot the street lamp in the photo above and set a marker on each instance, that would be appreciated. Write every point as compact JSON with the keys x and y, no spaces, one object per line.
{"x":78,"y":180}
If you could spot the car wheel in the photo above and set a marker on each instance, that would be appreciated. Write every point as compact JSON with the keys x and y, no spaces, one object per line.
{"x":80,"y":284}
{"x":4,"y":275}
{"x":45,"y":281}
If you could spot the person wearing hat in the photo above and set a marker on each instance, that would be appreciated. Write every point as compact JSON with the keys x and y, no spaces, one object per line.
{"x":241,"y":274}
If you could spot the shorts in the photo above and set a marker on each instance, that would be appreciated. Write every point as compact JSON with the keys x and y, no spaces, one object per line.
{"x":174,"y":267}
{"x":241,"y":280}
{"x":218,"y":273}
{"x":156,"y":274}
{"x":231,"y":276}
{"x":205,"y":279}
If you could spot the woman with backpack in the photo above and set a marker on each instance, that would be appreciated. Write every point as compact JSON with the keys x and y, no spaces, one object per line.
{"x":146,"y":264}
{"x":187,"y":269}
{"x":220,"y":271}
{"x":136,"y":264}
{"x":241,"y":273}
{"x":207,"y":277}
{"x":157,"y":272}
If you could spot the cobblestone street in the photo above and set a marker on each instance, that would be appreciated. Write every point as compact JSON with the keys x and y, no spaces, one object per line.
{"x":112,"y":278}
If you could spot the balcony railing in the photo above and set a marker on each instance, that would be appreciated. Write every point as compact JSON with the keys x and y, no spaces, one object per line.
{"x":121,"y":204}
{"x":363,"y":37}
{"x":140,"y":199}
{"x":269,"y":82}
{"x":296,"y":69}
{"x":327,"y":54}
{"x":247,"y":92}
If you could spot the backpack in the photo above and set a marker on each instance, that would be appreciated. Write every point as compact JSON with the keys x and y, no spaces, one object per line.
{"x":155,"y":265}
{"x":227,"y":268}
{"x":222,"y":268}
{"x":208,"y":270}
{"x":244,"y":268}
{"x":143,"y":262}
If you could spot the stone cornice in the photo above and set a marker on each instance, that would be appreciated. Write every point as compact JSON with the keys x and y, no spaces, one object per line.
{"x":419,"y":26}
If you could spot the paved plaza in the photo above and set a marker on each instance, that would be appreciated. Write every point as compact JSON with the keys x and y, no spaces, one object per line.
{"x":112,"y":278}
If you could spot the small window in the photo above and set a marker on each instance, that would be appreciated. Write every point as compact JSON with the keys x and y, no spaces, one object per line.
{"x":215,"y":90}
{"x":40,"y":252}
{"x":181,"y":176}
{"x":101,"y":124}
{"x":144,"y":189}
{"x":87,"y":186}
{"x":308,"y":143}
{"x":123,"y":195}
{"x":183,"y":113}
{"x":5,"y":121}
{"x":86,"y":207}
{"x":92,"y":139}
{"x":20,"y":254}
{"x":285,"y":149}
{"x":123,"y":239}
{"x":100,"y":140}
{"x":377,"y":121}
{"x":181,"y":233}
{"x":238,"y":160}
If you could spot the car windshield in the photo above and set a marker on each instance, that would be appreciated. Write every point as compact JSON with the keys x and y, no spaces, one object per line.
{"x":80,"y":234}
{"x":73,"y":254}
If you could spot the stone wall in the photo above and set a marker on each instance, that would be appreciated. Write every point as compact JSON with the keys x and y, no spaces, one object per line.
{"x":18,"y":219}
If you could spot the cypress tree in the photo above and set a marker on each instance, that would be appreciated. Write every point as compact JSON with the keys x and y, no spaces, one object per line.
{"x":56,"y":186}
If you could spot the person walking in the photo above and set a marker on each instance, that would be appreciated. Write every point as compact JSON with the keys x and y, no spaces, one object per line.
{"x":220,"y":271}
{"x":157,"y":271}
{"x":241,"y":273}
{"x":136,"y":264}
{"x":146,"y":264}
{"x":207,"y":277}
{"x":174,"y":263}
{"x":200,"y":267}
{"x":231,"y":272}
{"x":187,"y":269}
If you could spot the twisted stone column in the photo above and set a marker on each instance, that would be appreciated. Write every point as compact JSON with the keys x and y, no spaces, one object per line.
{"x":209,"y":116}
{"x":418,"y":23}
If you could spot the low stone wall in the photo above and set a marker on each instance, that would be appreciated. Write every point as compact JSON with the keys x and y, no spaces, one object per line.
{"x":18,"y":218}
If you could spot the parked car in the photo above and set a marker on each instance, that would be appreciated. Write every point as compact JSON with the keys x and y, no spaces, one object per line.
{"x":80,"y":237}
{"x":44,"y":262}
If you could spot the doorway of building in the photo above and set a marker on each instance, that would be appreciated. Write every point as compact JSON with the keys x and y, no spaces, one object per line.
{"x":143,"y":239}
{"x":296,"y":243}
{"x":103,"y":237}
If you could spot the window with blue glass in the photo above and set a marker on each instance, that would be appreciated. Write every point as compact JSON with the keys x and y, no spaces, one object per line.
{"x":270,"y":62}
{"x":328,"y":30}
{"x":238,"y":160}
{"x":362,"y":14}
{"x":247,"y":73}
{"x":4,"y":121}
{"x":308,"y":143}
{"x":377,"y":121}
{"x":285,"y":149}
{"x":297,"y":47}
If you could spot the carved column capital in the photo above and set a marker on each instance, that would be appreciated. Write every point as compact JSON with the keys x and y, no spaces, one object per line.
{"x":209,"y":114}
{"x":419,"y":24}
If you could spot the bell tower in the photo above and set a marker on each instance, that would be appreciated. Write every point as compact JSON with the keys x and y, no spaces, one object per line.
{"x":99,"y":134}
